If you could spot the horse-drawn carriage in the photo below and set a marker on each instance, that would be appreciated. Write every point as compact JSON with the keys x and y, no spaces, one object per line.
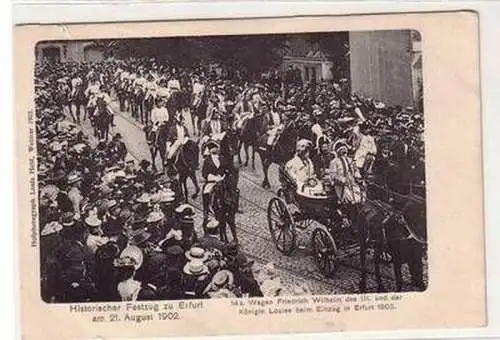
{"x":389,"y":223}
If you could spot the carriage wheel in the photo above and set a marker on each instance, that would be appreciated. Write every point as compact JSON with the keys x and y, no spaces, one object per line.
{"x":325,"y":251}
{"x":281,"y":225}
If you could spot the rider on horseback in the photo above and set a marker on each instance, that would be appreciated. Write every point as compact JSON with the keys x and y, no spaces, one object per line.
{"x":273,"y":123}
{"x":159,"y":115}
{"x":177,"y":136}
{"x":243,"y":110}
{"x":213,"y":127}
{"x":213,"y":171}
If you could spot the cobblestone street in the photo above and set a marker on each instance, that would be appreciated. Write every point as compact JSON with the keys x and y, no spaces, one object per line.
{"x":252,"y":226}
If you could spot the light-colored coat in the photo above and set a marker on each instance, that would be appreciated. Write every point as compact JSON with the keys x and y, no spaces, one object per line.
{"x":344,"y":175}
{"x":366,"y":146}
{"x":300,"y":170}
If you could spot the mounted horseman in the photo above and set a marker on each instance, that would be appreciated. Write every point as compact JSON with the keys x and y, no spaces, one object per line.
{"x":63,"y":95}
{"x":220,"y":193}
{"x":156,"y":130}
{"x":91,"y":92}
{"x":244,"y":112}
{"x":149,"y":99}
{"x":121,"y":87}
{"x":213,"y":128}
{"x":138,"y":96}
{"x":182,"y":155}
{"x":103,"y":116}
{"x":198,"y":103}
{"x":77,"y":98}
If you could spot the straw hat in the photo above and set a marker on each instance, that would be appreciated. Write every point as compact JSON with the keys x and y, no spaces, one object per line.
{"x":51,"y":228}
{"x":144,"y":198}
{"x":166,"y":195}
{"x":222,"y":294}
{"x":220,"y":280}
{"x":93,"y":221}
{"x":134,"y":253}
{"x":196,"y":254}
{"x":155,"y":216}
{"x":73,"y":178}
{"x":195,"y":268}
{"x":185,"y":209}
{"x":68,"y":219}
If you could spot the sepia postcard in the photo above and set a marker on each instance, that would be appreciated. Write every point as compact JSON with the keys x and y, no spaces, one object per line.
{"x":249,"y":176}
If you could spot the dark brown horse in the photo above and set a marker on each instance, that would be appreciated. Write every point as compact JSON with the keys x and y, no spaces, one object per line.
{"x":225,"y":202}
{"x":137,"y":104}
{"x":157,"y":143}
{"x":397,"y":236}
{"x":78,"y":99}
{"x":185,"y":163}
{"x":102,"y":119}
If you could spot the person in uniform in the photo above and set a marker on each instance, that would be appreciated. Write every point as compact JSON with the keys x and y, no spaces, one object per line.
{"x":213,"y":171}
{"x":177,"y":136}
{"x":243,"y":110}
{"x":117,"y":147}
{"x":213,"y":127}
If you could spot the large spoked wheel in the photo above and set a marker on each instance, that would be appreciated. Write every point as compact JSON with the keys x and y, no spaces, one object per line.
{"x":325,"y":251}
{"x":281,"y":225}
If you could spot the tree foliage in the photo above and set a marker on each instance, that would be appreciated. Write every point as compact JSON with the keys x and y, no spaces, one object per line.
{"x":255,"y":53}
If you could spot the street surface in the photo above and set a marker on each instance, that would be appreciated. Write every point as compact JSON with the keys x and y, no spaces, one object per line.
{"x":252,"y":227}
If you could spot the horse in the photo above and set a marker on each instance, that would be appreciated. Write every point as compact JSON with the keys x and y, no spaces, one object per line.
{"x":102,"y":119}
{"x":198,"y":112}
{"x":137,"y":104}
{"x":148,"y":105}
{"x":78,"y":99}
{"x":185,"y":163}
{"x":396,"y":237}
{"x":280,"y":152}
{"x":157,"y":143}
{"x":225,"y":202}
{"x":121,"y":89}
{"x":248,"y":138}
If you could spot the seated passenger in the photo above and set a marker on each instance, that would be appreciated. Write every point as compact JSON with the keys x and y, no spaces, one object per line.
{"x":300,"y":167}
{"x":345,"y":176}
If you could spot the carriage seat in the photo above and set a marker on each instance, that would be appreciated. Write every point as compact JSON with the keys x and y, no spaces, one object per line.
{"x":314,"y":187}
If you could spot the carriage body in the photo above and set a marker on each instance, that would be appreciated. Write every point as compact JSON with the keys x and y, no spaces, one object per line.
{"x":334,"y":229}
{"x":321,"y":214}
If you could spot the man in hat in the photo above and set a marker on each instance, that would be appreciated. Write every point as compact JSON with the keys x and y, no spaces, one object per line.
{"x":213,"y":171}
{"x":273,"y":123}
{"x":95,"y":239}
{"x":300,"y":167}
{"x":243,"y":110}
{"x":210,"y":239}
{"x":66,"y":266}
{"x":244,"y":278}
{"x":117,"y":147}
{"x":322,"y":158}
{"x":213,"y":127}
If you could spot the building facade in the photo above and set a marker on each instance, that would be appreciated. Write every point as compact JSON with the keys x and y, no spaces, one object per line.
{"x":307,"y":57}
{"x":387,"y":65}
{"x":78,"y":51}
